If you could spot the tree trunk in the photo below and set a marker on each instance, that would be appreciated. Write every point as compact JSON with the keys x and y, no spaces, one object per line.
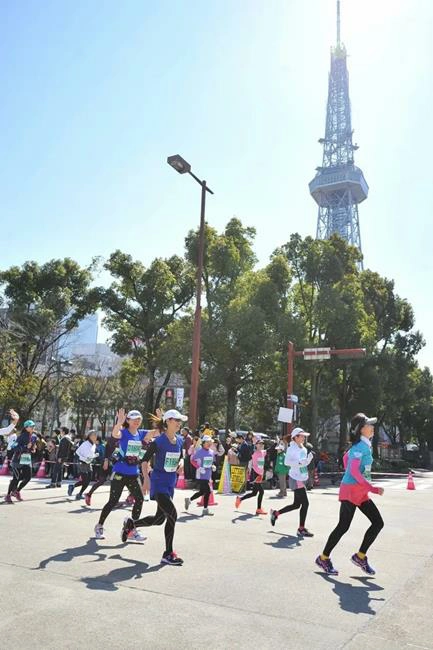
{"x":231,"y":407}
{"x":343,"y":414}
{"x":161,"y":392}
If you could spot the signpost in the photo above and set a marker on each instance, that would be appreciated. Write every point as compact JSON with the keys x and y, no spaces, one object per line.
{"x":313,"y":354}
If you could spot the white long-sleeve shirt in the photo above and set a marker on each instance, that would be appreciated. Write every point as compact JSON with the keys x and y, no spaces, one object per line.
{"x":5,"y":431}
{"x":297,"y":459}
{"x":86,"y":452}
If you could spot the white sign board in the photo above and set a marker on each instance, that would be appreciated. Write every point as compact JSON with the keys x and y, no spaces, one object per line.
{"x":179,"y":397}
{"x":317,"y":354}
{"x":285,"y":415}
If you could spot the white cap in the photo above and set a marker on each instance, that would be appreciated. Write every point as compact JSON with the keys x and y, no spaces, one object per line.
{"x":173,"y":413}
{"x":298,"y":431}
{"x":207,"y":439}
{"x":134,"y":415}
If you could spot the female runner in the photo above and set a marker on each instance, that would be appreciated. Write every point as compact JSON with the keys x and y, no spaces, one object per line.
{"x":166,"y":451}
{"x":126,"y":470}
{"x":257,"y":471}
{"x":354,"y":489}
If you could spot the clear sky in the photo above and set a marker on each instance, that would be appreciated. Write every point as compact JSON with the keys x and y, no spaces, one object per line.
{"x":96,"y":95}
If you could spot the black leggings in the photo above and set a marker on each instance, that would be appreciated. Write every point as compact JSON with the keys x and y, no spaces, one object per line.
{"x":165,"y":512}
{"x":103,"y":477}
{"x":258,"y":490}
{"x":118,"y":482}
{"x":300,"y":501}
{"x":84,"y":479}
{"x":203,"y":491}
{"x":21,"y":476}
{"x":347,"y":510}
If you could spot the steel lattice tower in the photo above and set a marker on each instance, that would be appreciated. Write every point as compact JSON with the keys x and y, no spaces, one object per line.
{"x":339,"y":185}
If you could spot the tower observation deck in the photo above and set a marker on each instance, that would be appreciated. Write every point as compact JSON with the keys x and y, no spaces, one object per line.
{"x":339,"y":186}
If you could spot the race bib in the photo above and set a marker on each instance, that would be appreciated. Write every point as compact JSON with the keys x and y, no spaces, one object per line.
{"x":367,"y":472}
{"x":171,"y":461}
{"x":303,"y":470}
{"x":261,"y":463}
{"x":25,"y":459}
{"x":134,"y":448}
{"x":207,"y":462}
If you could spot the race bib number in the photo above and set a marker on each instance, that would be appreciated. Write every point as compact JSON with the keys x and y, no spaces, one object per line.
{"x":171,"y":461}
{"x":25,"y":459}
{"x":134,"y":448}
{"x":304,"y":471}
{"x":367,"y":472}
{"x":207,"y":462}
{"x":261,"y":463}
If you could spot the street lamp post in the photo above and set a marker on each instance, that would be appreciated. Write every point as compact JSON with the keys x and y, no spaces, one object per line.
{"x":183,"y":167}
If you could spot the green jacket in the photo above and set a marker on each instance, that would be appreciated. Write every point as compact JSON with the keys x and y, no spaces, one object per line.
{"x":280,"y":466}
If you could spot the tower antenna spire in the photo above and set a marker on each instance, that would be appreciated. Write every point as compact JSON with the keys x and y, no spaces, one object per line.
{"x":338,"y":23}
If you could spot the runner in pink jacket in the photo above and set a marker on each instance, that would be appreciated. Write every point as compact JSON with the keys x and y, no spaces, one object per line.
{"x":257,"y":471}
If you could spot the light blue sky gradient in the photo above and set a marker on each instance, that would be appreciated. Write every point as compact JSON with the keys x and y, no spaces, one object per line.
{"x":95,"y":96}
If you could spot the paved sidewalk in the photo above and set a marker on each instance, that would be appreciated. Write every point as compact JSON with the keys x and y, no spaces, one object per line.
{"x":243,"y":582}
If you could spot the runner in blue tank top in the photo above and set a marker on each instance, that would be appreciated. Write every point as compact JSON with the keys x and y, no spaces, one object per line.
{"x":126,"y":469}
{"x":166,"y":451}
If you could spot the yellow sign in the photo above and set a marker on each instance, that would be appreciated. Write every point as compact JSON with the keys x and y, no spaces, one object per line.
{"x":237,"y":478}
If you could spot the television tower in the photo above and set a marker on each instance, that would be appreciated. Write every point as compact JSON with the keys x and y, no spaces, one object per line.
{"x":339,"y":185}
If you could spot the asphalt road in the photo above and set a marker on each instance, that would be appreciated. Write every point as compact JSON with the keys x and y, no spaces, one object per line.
{"x":243,"y":584}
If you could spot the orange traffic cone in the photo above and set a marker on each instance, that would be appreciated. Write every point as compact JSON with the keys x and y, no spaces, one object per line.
{"x":181,"y":483}
{"x":212,"y":501}
{"x":410,"y":482}
{"x":316,"y":481}
{"x":41,"y":471}
{"x":4,"y":470}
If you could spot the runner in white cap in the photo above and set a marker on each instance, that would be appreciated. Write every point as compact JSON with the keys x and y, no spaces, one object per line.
{"x":297,"y":459}
{"x":204,"y":458}
{"x":166,"y":452}
{"x":126,"y":469}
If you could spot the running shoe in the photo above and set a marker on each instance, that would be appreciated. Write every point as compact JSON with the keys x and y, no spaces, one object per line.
{"x":187,"y":503}
{"x":78,"y":497}
{"x":99,"y":532}
{"x":326,"y":566}
{"x":363,"y":564}
{"x":207,"y":513}
{"x":304,"y":532}
{"x":17,"y":495}
{"x":88,"y":499}
{"x":8,"y":499}
{"x":58,"y":485}
{"x":70,"y":489}
{"x":238,"y":503}
{"x":135,"y":536}
{"x":128,"y":525}
{"x":171,"y":558}
{"x":274,"y":516}
{"x":50,"y":485}
{"x":260,"y":511}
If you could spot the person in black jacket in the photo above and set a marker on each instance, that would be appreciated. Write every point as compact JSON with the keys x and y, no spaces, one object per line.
{"x":63,"y":452}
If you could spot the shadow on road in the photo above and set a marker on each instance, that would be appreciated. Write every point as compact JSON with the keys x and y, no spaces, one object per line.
{"x":184,"y":519}
{"x":285,"y":541}
{"x":244,"y":517}
{"x":110,"y":581}
{"x":83,"y":509}
{"x":91,"y":547}
{"x":354,"y":598}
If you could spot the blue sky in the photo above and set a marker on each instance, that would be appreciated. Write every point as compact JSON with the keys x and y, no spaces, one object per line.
{"x":96,"y":95}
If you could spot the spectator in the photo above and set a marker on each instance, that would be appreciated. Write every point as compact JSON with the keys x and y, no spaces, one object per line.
{"x":187,"y":442}
{"x":63,"y":455}
{"x":281,"y":470}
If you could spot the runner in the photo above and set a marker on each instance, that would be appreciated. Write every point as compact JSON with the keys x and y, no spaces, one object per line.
{"x":127,"y":431}
{"x":204,"y":458}
{"x":257,"y":470}
{"x":354,"y":489}
{"x":166,"y":451}
{"x":297,"y":460}
{"x":86,"y":452}
{"x":106,"y":469}
{"x":22,"y":460}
